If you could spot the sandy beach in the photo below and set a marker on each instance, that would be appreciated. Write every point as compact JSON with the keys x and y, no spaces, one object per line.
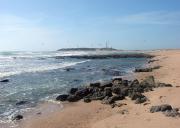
{"x":97,"y":115}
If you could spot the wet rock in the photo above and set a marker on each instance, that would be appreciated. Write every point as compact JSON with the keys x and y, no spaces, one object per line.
{"x":117,"y":81}
{"x":4,"y":81}
{"x":17,"y":117}
{"x":87,"y":100}
{"x":116,"y":90}
{"x":163,"y":85}
{"x":21,"y":103}
{"x":108,"y":91}
{"x":97,"y":84}
{"x":69,"y":69}
{"x":72,"y":91}
{"x":62,"y":97}
{"x":147,"y":69}
{"x":125,"y":82}
{"x":161,"y":108}
{"x":125,"y":91}
{"x":73,"y":98}
{"x":99,"y":95}
{"x":106,"y":84}
{"x":82,"y":92}
{"x":143,"y":70}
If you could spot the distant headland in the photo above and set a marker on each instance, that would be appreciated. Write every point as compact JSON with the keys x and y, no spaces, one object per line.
{"x":87,"y":49}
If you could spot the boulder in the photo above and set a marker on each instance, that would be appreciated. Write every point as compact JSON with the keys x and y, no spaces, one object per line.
{"x":125,"y":82}
{"x":161,"y":108}
{"x":17,"y":117}
{"x":108,"y":91}
{"x":99,"y":95}
{"x":148,"y":82}
{"x":62,"y":97}
{"x":172,"y":113}
{"x":97,"y":85}
{"x":72,"y":91}
{"x":136,"y":95}
{"x":82,"y":92}
{"x":116,"y":90}
{"x":106,"y":84}
{"x":73,"y":98}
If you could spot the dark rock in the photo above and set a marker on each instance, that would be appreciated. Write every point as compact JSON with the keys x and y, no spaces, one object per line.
{"x":147,"y":69}
{"x":69,"y":69}
{"x":108,"y":91}
{"x":17,"y":117}
{"x":134,"y":83}
{"x":116,"y":97}
{"x":62,"y":97}
{"x":106,"y":84}
{"x":172,"y":113}
{"x":72,"y":91}
{"x":87,"y":100}
{"x":4,"y":81}
{"x":140,"y":100}
{"x":125,"y":82}
{"x":21,"y":103}
{"x":161,"y":108}
{"x":117,"y":78}
{"x":124,"y":91}
{"x":117,"y":81}
{"x":163,"y":85}
{"x":73,"y":98}
{"x":82,"y":92}
{"x":149,"y":82}
{"x":136,"y":95}
{"x":97,"y":84}
{"x":99,"y":95}
{"x":116,"y":90}
{"x":143,"y":70}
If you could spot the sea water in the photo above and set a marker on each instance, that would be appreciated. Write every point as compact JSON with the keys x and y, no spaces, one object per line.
{"x":35,"y":77}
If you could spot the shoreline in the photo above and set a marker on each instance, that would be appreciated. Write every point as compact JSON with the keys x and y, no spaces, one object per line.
{"x":95,"y":114}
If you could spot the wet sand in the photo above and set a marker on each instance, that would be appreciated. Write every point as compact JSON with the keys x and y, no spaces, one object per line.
{"x":97,"y":115}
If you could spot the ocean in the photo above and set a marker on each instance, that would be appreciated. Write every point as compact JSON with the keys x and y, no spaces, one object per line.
{"x":36,"y":77}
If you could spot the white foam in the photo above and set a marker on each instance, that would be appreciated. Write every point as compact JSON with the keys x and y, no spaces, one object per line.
{"x":41,"y":68}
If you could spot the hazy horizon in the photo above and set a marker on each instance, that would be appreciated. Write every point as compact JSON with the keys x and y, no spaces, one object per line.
{"x":46,"y":25}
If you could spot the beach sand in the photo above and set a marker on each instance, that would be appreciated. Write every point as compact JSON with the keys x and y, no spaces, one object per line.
{"x":97,"y":115}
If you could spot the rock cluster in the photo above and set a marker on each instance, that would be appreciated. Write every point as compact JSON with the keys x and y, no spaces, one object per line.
{"x":112,"y":91}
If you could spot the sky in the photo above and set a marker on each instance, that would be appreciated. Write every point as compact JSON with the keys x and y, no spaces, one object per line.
{"x":41,"y":25}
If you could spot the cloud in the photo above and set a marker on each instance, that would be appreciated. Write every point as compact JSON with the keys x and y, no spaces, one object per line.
{"x":155,"y":17}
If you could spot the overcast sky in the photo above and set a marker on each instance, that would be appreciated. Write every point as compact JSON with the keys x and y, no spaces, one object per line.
{"x":40,"y":25}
